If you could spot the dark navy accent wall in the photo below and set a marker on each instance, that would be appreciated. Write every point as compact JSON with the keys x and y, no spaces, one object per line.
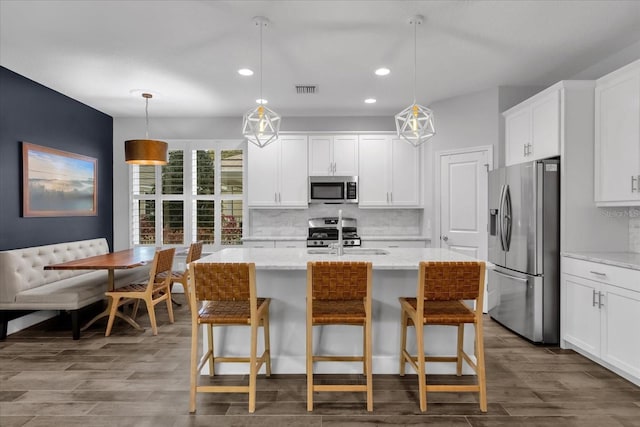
{"x":34,"y":113}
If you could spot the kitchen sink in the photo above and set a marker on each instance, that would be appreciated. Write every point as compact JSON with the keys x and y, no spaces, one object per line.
{"x":326,"y":251}
{"x":365,"y":251}
{"x":348,"y":251}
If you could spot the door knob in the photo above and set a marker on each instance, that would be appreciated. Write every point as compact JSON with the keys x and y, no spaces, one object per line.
{"x":444,"y":238}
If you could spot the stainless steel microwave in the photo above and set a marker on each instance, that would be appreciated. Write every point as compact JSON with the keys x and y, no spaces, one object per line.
{"x":333,"y":189}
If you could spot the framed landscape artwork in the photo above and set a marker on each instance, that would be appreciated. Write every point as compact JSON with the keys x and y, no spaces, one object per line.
{"x":58,"y":183}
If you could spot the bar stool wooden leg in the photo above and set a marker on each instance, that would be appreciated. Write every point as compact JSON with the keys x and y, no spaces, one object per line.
{"x":194,"y":367}
{"x":482,"y":379}
{"x":212,"y":365}
{"x":309,"y":362}
{"x":422,"y":377}
{"x":253,"y":367}
{"x":403,"y":340}
{"x":369,"y":363}
{"x":460,"y":349}
{"x":364,"y":350}
{"x":267,"y":344}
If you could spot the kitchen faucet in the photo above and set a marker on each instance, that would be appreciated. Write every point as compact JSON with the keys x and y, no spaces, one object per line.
{"x":339,"y":247}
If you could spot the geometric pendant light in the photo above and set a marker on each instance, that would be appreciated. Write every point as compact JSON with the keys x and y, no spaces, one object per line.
{"x":145,"y":151}
{"x":261,"y":125}
{"x":415,"y":124}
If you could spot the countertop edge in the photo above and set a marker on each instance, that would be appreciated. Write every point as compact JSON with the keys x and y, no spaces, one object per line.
{"x":628,"y":260}
{"x":365,"y":237}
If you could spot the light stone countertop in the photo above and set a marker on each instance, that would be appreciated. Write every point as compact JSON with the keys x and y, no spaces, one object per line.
{"x":297,"y":258}
{"x":619,"y":259}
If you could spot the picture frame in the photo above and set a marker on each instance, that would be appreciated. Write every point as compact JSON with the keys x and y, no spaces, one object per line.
{"x":58,"y":183}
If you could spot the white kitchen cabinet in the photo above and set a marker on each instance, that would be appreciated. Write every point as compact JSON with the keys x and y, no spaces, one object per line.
{"x":600,"y":314}
{"x":532,"y":128}
{"x":277,"y":173}
{"x":389,"y":172}
{"x":333,"y":155}
{"x":617,"y":137}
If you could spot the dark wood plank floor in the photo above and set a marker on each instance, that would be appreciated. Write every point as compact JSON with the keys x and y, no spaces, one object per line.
{"x":136,"y":379}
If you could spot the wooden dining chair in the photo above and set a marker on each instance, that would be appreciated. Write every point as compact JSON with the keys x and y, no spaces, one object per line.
{"x":339,"y":293}
{"x":227,"y":293}
{"x":441,"y":299}
{"x":152,"y":292}
{"x":182,"y":277}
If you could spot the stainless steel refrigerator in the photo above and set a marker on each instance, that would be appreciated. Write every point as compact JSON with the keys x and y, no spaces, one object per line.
{"x":524,"y":245}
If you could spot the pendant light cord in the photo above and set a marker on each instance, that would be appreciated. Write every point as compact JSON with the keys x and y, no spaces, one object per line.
{"x":261,"y":98}
{"x":146,"y":114}
{"x":415,"y":60}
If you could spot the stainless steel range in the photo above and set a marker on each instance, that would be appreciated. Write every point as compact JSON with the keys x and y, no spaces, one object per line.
{"x":324,"y":231}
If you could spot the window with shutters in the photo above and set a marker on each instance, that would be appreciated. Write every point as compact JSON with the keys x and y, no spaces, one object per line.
{"x":197,"y":196}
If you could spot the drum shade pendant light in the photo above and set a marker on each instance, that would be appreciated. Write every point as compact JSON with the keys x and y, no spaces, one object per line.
{"x":145,"y":151}
{"x":261,"y":125}
{"x":415,"y":123}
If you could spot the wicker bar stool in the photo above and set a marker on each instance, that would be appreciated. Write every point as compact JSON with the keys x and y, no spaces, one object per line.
{"x":339,"y":293}
{"x":443,"y":288}
{"x":228,"y":295}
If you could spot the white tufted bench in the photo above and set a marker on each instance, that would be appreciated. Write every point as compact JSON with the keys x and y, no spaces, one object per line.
{"x":25,"y":285}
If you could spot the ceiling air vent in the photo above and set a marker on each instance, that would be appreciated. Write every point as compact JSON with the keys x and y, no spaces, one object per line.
{"x":306,"y":89}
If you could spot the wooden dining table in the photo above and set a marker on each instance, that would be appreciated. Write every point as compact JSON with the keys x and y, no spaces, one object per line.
{"x":119,"y":260}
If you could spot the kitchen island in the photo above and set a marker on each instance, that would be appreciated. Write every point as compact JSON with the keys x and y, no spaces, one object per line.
{"x":281,"y":276}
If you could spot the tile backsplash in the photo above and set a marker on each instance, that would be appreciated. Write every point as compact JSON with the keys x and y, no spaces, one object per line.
{"x":371,"y":222}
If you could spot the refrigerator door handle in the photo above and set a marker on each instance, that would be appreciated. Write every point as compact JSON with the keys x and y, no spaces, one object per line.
{"x":501,"y":218}
{"x":510,"y":277}
{"x":507,"y":218}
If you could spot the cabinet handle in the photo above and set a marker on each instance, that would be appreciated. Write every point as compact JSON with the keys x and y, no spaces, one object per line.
{"x":524,"y":150}
{"x":391,"y":196}
{"x":529,"y":151}
{"x":597,"y":273}
{"x":633,"y":180}
{"x":275,"y":197}
{"x":600,"y":303}
{"x":593,"y":299}
{"x":279,"y":197}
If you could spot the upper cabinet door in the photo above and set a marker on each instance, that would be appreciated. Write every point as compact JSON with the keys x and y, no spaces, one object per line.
{"x":545,"y":127}
{"x":374,"y":178}
{"x":293,"y":171}
{"x":405,"y":173}
{"x":345,"y":155}
{"x":320,"y":155}
{"x":517,"y":136}
{"x":262,"y":174}
{"x":617,"y":139}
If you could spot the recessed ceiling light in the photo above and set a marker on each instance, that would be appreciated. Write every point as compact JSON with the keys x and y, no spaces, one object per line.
{"x":382,"y":71}
{"x":261,"y":101}
{"x":370,"y":101}
{"x":245,"y":72}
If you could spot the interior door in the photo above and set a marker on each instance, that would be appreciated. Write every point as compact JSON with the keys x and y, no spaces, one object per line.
{"x":463,"y":204}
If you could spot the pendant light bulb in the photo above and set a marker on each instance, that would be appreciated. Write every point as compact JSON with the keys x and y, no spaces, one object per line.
{"x":261,"y":125}
{"x":415,"y":124}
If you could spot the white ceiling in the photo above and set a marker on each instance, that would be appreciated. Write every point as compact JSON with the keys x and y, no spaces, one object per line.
{"x":189,"y":51}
